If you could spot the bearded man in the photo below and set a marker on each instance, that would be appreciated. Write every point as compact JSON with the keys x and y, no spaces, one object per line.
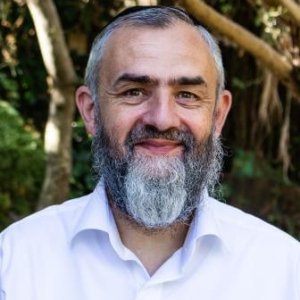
{"x":155,"y":103}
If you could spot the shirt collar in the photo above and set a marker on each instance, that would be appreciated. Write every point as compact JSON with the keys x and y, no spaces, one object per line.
{"x":97,"y":215}
{"x":206,"y":224}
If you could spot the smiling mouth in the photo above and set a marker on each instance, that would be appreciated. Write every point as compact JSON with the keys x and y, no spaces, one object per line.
{"x":159,"y":147}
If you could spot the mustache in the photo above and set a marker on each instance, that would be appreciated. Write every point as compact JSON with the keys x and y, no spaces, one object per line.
{"x":141,"y":133}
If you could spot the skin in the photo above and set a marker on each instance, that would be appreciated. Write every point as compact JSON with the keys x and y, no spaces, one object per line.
{"x":147,"y":78}
{"x":165,"y":78}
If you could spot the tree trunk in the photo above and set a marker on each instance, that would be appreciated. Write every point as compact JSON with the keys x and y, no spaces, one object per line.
{"x":61,"y":83}
{"x":270,"y":58}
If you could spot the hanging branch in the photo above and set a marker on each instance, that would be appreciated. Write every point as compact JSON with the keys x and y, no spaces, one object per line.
{"x":292,"y":7}
{"x":283,"y":151}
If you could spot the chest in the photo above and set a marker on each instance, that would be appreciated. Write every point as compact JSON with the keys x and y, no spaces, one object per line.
{"x":103,"y":275}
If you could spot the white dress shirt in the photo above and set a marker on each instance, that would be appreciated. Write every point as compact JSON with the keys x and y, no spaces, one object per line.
{"x":73,"y":252}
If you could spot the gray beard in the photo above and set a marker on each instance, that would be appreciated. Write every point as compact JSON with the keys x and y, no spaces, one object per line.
{"x":156,"y":192}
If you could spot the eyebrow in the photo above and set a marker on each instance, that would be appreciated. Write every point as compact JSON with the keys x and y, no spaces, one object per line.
{"x":197,"y":80}
{"x":145,"y":79}
{"x":127,"y":77}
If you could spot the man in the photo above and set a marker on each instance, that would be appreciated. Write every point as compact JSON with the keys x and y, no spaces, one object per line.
{"x":155,"y":103}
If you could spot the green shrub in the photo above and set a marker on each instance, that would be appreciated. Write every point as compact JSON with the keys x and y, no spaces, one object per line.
{"x":21,"y":166}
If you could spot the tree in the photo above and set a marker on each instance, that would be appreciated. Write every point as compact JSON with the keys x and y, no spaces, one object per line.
{"x":61,"y":84}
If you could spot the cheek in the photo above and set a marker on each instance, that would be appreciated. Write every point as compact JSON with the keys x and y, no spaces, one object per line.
{"x":199,"y":123}
{"x":118,"y":125}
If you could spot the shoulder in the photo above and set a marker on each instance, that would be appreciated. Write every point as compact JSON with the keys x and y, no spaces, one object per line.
{"x":258,"y":248}
{"x":241,"y":228}
{"x":53,"y":220}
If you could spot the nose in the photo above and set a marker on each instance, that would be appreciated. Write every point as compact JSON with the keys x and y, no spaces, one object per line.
{"x":161,"y":112}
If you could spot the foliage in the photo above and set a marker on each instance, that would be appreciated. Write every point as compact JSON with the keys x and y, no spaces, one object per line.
{"x":22,"y":74}
{"x":246,"y":164}
{"x":82,"y":181}
{"x":257,"y":187}
{"x":21,"y":170}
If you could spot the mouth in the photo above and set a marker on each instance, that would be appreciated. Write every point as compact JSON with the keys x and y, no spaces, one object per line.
{"x":159,"y":147}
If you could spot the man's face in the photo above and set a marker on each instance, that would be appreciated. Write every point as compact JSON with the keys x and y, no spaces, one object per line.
{"x":156,"y":138}
{"x":165,"y":78}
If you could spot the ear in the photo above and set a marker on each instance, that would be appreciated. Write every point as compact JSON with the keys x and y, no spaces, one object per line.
{"x":86,"y":107}
{"x":223,"y":106}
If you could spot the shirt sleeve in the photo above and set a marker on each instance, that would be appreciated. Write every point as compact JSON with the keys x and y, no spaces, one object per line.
{"x":298,"y":277}
{"x":2,"y":296}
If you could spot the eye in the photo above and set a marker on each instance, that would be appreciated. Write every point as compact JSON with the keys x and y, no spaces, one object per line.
{"x":134,"y":96}
{"x":185,"y":95}
{"x":136,"y":92}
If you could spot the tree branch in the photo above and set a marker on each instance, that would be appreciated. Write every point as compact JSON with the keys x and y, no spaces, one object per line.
{"x":272,"y":60}
{"x":292,"y":7}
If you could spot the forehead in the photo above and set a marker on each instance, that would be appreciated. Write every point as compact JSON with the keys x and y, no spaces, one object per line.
{"x":177,"y":50}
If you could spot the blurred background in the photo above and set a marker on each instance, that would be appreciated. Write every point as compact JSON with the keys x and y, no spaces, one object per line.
{"x":45,"y":152}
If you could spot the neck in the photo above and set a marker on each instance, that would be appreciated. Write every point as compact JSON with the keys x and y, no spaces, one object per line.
{"x":152,"y":246}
